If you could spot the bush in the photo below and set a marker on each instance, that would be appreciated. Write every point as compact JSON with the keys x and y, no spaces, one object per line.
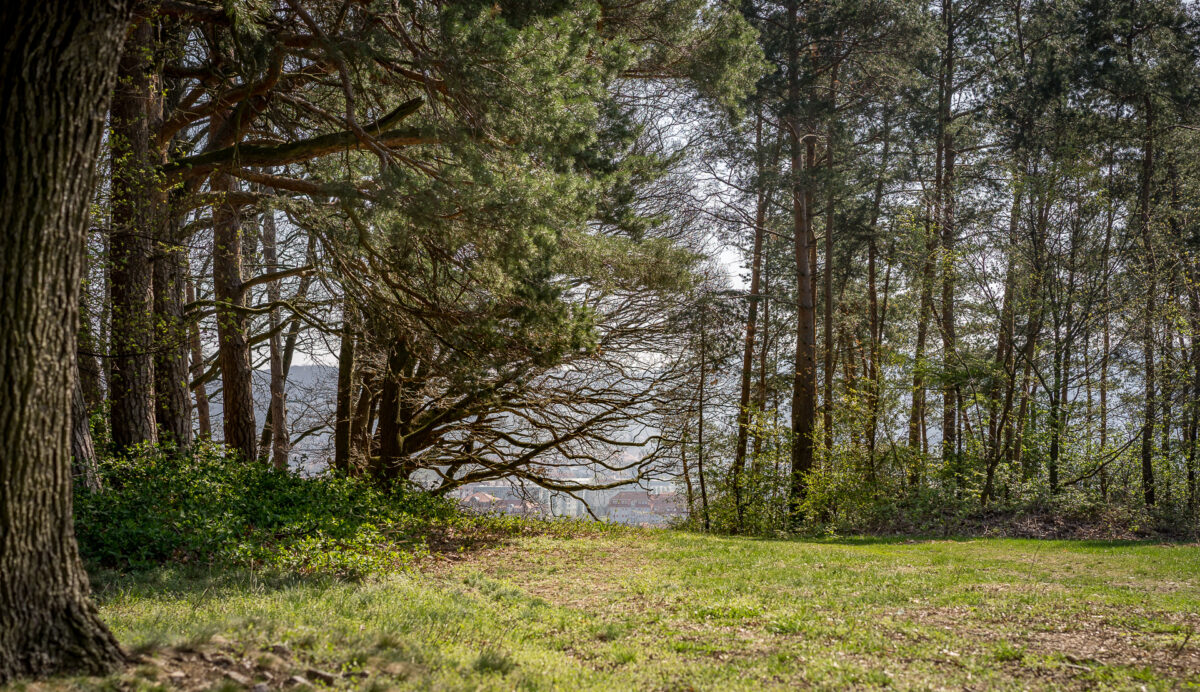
{"x":200,"y":508}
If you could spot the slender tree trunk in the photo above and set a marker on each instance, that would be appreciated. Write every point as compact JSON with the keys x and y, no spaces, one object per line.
{"x":1056,"y":406}
{"x":58,"y":67}
{"x":293,"y":334}
{"x":916,"y":419}
{"x":1110,"y":214}
{"x":687,"y":475}
{"x":946,"y":220}
{"x":83,"y":452}
{"x":700,"y":433}
{"x":280,"y":441}
{"x":760,"y":396}
{"x":875,"y":325}
{"x":1004,"y":365}
{"x":1194,"y":403}
{"x":342,"y":429}
{"x":743,"y":421}
{"x":827,"y":321}
{"x":199,"y":389}
{"x":89,"y":353}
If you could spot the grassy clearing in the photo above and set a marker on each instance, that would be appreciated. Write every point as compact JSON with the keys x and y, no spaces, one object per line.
{"x":667,"y":610}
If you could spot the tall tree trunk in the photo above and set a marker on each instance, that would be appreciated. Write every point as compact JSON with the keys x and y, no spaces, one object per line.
{"x":233,"y":347}
{"x":875,"y":325}
{"x":827,"y":321}
{"x":946,"y":220}
{"x":804,"y":389}
{"x":916,"y":418}
{"x":137,"y":211}
{"x":1194,"y":403}
{"x":760,"y":395}
{"x":172,"y":401}
{"x":1147,"y":175}
{"x":743,"y":421}
{"x":1110,"y":214}
{"x":58,"y":68}
{"x":1004,"y":365}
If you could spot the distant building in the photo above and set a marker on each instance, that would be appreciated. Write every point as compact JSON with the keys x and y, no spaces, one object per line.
{"x":486,"y":503}
{"x":642,"y":508}
{"x":655,"y":506}
{"x":481,"y":502}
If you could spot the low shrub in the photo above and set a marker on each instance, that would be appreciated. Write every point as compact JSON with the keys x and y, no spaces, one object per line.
{"x":159,"y":506}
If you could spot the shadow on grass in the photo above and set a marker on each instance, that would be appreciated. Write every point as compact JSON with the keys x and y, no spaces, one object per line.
{"x":443,"y":541}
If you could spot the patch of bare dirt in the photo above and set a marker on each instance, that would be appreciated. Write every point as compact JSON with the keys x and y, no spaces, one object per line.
{"x":1082,"y":643}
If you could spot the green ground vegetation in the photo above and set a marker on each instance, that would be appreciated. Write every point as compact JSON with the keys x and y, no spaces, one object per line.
{"x":640,"y":609}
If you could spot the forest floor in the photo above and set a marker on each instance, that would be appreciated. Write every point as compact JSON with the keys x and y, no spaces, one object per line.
{"x":667,"y":610}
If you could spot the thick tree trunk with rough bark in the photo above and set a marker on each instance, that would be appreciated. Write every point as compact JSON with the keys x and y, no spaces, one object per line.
{"x":233,"y":349}
{"x":137,"y":211}
{"x":172,"y":398}
{"x":58,"y":68}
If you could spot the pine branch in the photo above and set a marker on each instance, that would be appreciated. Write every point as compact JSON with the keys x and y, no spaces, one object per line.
{"x":305,"y":149}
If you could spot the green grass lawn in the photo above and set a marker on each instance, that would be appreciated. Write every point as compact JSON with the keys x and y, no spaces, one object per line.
{"x":669,"y":610}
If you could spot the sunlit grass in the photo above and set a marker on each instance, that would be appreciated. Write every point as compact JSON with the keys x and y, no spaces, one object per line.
{"x":666,"y":610}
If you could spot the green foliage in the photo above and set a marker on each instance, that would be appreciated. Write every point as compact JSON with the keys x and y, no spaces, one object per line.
{"x":200,"y":508}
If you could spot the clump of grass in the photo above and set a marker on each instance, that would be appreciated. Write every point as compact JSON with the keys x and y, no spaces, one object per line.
{"x":494,"y":661}
{"x":609,"y":631}
{"x":1006,"y":652}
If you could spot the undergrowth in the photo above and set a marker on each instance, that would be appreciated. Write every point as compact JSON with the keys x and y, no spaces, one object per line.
{"x":201,"y":509}
{"x":158,"y":506}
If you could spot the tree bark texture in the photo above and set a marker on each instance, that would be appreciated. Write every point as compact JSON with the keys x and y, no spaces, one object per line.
{"x":136,"y":212}
{"x":58,"y":66}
